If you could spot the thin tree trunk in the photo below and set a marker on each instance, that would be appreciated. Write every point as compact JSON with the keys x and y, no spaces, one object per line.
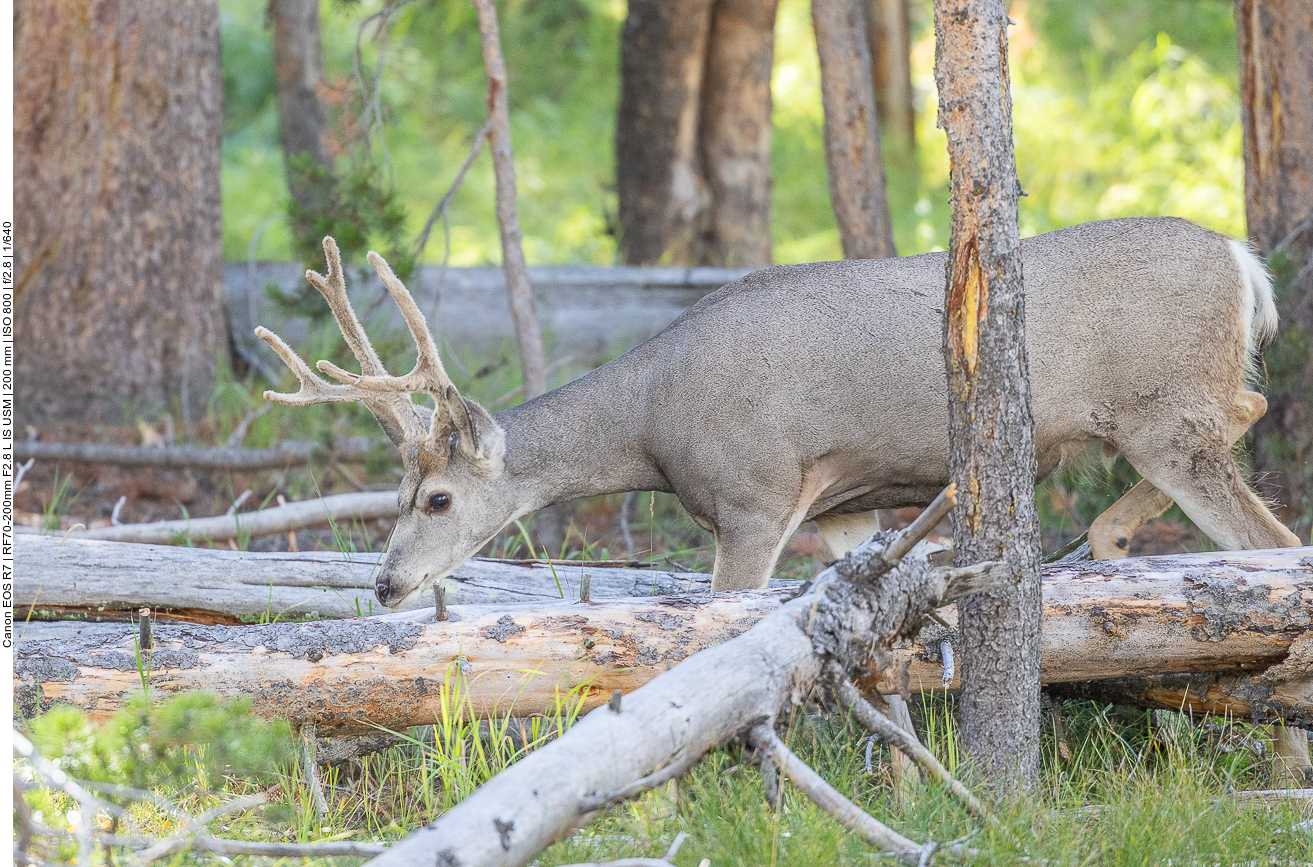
{"x":298,"y":68}
{"x":519,"y":291}
{"x":991,"y":431}
{"x":889,"y":29}
{"x":852,"y":131}
{"x":662,"y":193}
{"x":736,"y":134}
{"x":117,"y":121}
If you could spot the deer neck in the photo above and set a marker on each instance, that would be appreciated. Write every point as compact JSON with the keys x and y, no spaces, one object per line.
{"x":568,"y":444}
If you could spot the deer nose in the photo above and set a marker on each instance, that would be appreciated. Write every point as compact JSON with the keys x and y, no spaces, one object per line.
{"x":382,"y":588}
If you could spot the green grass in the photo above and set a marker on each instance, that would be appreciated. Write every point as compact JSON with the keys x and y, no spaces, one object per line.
{"x":1136,"y":788}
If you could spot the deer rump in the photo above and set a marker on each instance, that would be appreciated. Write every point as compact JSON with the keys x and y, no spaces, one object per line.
{"x":818,"y":392}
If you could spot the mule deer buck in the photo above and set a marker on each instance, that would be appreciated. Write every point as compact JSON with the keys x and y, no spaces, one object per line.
{"x":817,"y":392}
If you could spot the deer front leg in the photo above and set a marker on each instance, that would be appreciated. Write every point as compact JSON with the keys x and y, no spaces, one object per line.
{"x":748,"y":544}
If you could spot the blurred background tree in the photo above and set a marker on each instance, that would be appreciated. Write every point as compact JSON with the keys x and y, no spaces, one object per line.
{"x":117,"y":115}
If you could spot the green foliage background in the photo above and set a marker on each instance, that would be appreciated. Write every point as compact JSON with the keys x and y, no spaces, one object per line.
{"x":1120,"y":108}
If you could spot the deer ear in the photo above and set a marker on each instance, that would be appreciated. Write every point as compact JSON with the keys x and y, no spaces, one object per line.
{"x":484,"y":442}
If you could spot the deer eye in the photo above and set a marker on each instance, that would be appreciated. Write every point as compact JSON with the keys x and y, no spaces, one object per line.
{"x":439,"y":502}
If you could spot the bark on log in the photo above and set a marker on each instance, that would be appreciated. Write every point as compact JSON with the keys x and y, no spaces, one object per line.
{"x":112,"y":580}
{"x":291,"y":453}
{"x":1234,"y":612}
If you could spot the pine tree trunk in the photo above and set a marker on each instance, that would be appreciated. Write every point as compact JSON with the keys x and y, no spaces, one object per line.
{"x":298,"y":68}
{"x":889,"y":29}
{"x":658,"y":176}
{"x":1276,"y":78}
{"x":736,"y":134}
{"x":852,"y":132}
{"x":117,"y":121}
{"x":991,"y":431}
{"x":1277,"y":84}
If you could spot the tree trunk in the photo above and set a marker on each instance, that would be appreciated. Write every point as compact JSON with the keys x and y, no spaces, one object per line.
{"x":736,"y":134}
{"x":889,"y":29}
{"x":662,"y":193}
{"x":693,"y":132}
{"x":298,"y":68}
{"x":117,"y":121}
{"x":1276,"y":80}
{"x":519,"y":291}
{"x":1239,"y":619}
{"x":991,"y":431}
{"x":852,"y":131}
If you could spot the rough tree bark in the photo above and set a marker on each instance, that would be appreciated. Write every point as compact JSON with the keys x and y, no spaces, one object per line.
{"x":735,"y":134}
{"x":298,"y":68}
{"x":1277,"y":108}
{"x":519,"y":291}
{"x":852,"y":131}
{"x":662,"y":193}
{"x":119,"y":284}
{"x":693,"y":132}
{"x":991,"y":431}
{"x":889,"y":30}
{"x":1276,"y":79}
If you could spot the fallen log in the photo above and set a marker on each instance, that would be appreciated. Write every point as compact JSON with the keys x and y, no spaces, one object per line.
{"x":291,"y":453}
{"x":337,"y":509}
{"x":112,"y":580}
{"x":1234,"y":612}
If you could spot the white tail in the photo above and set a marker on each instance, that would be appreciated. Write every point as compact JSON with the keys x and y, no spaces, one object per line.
{"x":1258,"y":309}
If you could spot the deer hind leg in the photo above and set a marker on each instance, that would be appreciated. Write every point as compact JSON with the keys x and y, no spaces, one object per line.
{"x":845,"y":532}
{"x":1192,"y":464}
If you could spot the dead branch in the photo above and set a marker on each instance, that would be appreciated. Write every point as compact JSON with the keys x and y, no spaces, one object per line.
{"x":895,"y":736}
{"x":519,"y":291}
{"x":340,"y":508}
{"x":826,"y":797}
{"x":292,"y":453}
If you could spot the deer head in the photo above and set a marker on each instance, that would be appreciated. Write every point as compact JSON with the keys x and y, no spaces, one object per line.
{"x":451,"y":454}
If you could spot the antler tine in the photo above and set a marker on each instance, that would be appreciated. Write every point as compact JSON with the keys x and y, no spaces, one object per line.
{"x":313,"y":389}
{"x":333,"y":288}
{"x":428,"y":375}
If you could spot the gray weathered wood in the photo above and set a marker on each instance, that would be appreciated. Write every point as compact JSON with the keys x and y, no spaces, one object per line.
{"x":81,"y":577}
{"x":291,"y":453}
{"x":593,"y":311}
